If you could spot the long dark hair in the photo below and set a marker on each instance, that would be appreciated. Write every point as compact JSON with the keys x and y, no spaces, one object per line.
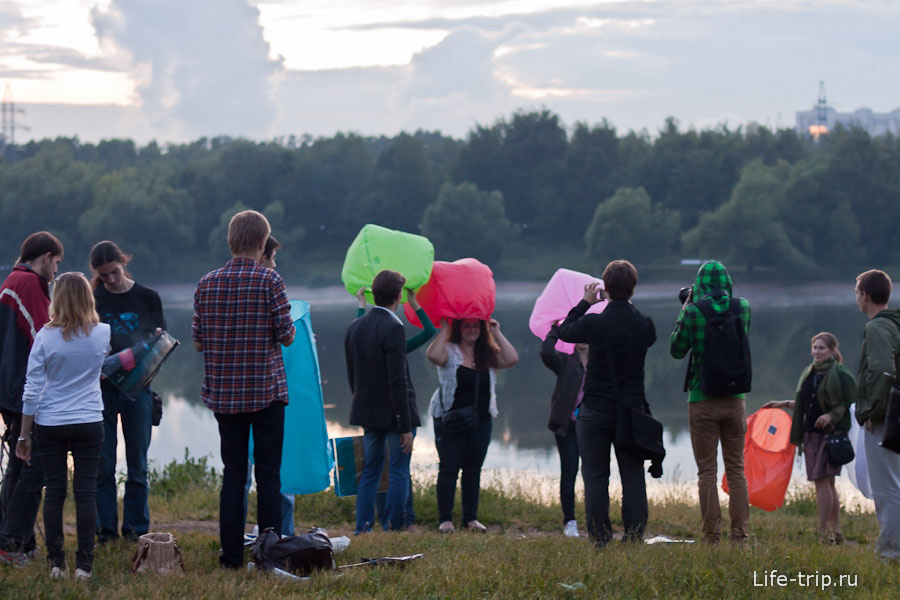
{"x":485,"y":351}
{"x":107,"y":252}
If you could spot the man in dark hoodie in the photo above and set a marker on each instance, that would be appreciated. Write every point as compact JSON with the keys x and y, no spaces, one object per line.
{"x":24,"y":306}
{"x":714,"y":419}
{"x":879,"y":366}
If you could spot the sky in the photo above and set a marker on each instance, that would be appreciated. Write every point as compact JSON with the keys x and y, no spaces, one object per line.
{"x":176,"y":70}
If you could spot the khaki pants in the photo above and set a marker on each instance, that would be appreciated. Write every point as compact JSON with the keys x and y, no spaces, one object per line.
{"x":711,"y":421}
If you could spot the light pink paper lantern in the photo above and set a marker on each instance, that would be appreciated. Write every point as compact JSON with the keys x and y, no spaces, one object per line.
{"x":564,"y":290}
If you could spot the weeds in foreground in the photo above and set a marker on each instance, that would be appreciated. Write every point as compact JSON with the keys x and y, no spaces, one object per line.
{"x":524,"y":555}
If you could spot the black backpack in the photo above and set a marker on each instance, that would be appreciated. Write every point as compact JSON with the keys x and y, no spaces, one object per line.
{"x":724,"y":368}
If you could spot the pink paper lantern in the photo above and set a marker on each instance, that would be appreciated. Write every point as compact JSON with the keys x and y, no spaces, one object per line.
{"x":462,"y":289}
{"x":564,"y":290}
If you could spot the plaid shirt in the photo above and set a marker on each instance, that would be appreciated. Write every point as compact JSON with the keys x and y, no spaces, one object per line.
{"x":690,"y":328}
{"x":241,"y":315}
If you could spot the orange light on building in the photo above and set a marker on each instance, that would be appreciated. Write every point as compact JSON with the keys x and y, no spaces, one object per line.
{"x":817,"y":130}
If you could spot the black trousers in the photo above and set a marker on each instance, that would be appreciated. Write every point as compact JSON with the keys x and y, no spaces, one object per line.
{"x":20,"y":495}
{"x":466,"y":452}
{"x":567,"y":446}
{"x":596,"y":432}
{"x":84,"y":441}
{"x":268,"y":437}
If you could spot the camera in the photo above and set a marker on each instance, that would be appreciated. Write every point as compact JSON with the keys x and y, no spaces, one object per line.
{"x":684,"y":294}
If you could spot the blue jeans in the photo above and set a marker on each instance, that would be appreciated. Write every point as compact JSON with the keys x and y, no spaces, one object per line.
{"x":409,"y":515}
{"x":137,"y":426}
{"x":466,"y":452}
{"x":374,"y":441}
{"x":287,"y":506}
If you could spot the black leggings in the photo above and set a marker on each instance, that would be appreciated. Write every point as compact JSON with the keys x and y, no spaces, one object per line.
{"x":568,"y":471}
{"x":85,"y":441}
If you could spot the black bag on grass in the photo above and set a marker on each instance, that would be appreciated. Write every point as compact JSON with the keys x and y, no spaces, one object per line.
{"x":297,"y":554}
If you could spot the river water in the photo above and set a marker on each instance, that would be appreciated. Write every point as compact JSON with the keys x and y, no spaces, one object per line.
{"x":522,"y":449}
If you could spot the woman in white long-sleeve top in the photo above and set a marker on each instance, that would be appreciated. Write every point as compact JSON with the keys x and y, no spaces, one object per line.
{"x":62,"y":400}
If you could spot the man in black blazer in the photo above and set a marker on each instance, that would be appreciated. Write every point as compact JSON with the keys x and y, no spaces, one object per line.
{"x":375,"y":348}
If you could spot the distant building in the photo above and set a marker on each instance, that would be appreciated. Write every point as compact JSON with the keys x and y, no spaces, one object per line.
{"x":864,"y":118}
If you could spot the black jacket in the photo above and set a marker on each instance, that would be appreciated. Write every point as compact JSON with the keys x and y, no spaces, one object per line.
{"x":375,"y":349}
{"x":569,"y":374}
{"x":623,"y":331}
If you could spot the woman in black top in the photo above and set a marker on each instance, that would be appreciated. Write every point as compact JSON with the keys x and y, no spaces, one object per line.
{"x":467,"y":353}
{"x":134,"y":313}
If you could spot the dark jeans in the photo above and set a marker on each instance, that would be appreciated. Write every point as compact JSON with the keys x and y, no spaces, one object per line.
{"x":409,"y":515}
{"x":596,"y":432}
{"x":374,"y":443}
{"x":268,"y":437}
{"x":462,"y":451}
{"x":21,"y":493}
{"x":137,"y":426}
{"x":84,"y":440}
{"x":568,"y":470}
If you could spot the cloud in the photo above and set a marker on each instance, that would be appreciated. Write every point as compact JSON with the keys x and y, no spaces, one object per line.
{"x":12,"y":21}
{"x":202,"y":67}
{"x":61,"y":57}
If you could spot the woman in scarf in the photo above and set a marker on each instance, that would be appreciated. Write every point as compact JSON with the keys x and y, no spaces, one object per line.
{"x":821,"y":406}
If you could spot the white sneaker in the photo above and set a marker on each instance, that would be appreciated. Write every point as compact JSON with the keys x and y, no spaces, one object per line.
{"x":82,"y":574}
{"x":57,"y":573}
{"x":571,"y":529}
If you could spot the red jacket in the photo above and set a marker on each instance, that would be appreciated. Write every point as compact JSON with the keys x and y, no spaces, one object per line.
{"x":24,"y":309}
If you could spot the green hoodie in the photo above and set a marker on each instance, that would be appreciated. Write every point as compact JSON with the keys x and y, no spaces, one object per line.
{"x":879,"y":365}
{"x":690,"y":328}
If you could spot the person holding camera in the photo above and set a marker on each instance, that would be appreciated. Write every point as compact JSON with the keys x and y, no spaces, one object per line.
{"x":713,"y":326}
{"x":821,"y":406}
{"x":618,"y":340}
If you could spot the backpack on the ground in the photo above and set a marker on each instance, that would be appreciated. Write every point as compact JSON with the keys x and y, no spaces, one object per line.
{"x":298,"y":554}
{"x":724,"y":368}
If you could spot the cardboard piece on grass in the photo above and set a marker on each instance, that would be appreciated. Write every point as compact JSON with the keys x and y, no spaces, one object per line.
{"x":564,"y":290}
{"x":349,"y":459}
{"x":463,"y":289}
{"x":377,"y":248}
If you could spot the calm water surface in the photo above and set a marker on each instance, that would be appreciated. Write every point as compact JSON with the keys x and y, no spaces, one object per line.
{"x":784,"y":320}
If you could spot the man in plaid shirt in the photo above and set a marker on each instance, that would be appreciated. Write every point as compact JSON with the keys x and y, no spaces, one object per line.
{"x":242,"y":317}
{"x":714,"y":419}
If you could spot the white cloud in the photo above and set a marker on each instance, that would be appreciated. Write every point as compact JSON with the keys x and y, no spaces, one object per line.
{"x":202,"y":67}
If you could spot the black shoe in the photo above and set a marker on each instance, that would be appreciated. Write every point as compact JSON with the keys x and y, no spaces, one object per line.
{"x":131,"y":536}
{"x":105,"y":538}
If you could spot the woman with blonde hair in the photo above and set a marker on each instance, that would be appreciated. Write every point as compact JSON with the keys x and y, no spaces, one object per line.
{"x":821,"y":406}
{"x":62,"y":401}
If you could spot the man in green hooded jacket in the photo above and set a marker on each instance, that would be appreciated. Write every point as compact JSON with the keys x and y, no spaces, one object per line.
{"x":717,"y":419}
{"x":879,"y":366}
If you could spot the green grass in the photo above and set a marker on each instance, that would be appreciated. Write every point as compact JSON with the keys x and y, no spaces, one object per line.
{"x":524,"y":555}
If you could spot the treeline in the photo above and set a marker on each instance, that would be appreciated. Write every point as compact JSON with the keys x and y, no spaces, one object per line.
{"x":525,"y":185}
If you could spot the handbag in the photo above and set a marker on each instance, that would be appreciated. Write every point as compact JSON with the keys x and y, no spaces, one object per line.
{"x":891,"y":439}
{"x":298,"y":554}
{"x":460,"y":421}
{"x":838,"y":448}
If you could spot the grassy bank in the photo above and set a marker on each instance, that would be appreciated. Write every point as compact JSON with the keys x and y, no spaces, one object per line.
{"x":523,"y":556}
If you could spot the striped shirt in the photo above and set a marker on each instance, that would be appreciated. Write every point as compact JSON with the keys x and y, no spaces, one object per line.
{"x":241,"y":317}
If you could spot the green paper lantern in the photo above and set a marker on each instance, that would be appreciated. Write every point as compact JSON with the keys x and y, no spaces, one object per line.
{"x":378,"y":248}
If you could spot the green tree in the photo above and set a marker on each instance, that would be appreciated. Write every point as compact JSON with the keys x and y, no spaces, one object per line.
{"x":467,"y":222}
{"x":629,"y":225}
{"x":748,"y":229}
{"x":148,"y":218}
